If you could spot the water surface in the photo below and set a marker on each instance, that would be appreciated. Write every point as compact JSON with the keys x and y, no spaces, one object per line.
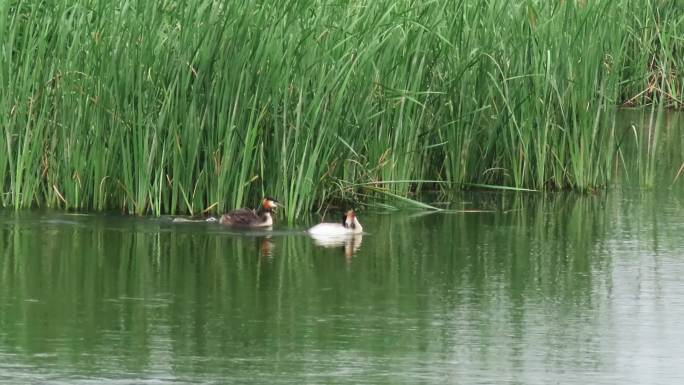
{"x":545,"y":288}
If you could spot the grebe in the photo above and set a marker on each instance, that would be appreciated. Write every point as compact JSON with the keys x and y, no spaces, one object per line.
{"x":261,"y":217}
{"x":350,"y":225}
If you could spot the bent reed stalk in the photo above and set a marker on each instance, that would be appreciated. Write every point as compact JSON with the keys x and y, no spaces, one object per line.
{"x":176,"y":107}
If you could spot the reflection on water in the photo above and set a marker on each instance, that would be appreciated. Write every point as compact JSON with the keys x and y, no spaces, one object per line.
{"x":543,"y":289}
{"x":266,"y":246}
{"x":349,"y":242}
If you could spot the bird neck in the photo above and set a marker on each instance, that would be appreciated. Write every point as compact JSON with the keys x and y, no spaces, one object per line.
{"x":264,"y":215}
{"x":355,"y":225}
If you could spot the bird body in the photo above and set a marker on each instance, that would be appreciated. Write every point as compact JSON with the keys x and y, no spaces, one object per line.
{"x":350,"y":225}
{"x":262,"y":217}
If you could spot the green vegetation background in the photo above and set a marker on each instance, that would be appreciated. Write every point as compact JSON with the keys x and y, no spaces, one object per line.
{"x":181,"y":106}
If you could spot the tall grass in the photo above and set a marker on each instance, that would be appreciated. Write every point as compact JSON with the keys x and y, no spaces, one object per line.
{"x":177,"y":107}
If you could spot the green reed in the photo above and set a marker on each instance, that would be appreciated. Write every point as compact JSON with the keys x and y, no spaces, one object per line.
{"x":181,"y":107}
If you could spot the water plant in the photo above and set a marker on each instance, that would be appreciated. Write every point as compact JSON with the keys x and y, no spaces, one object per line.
{"x":184,"y":107}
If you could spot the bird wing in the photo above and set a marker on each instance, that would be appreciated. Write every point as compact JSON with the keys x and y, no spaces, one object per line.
{"x":242,"y":216}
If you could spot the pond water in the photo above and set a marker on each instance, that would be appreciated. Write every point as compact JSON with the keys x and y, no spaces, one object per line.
{"x":544,"y":288}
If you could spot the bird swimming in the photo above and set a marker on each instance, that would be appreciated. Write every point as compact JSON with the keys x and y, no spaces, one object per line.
{"x":261,"y":217}
{"x":350,"y":225}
